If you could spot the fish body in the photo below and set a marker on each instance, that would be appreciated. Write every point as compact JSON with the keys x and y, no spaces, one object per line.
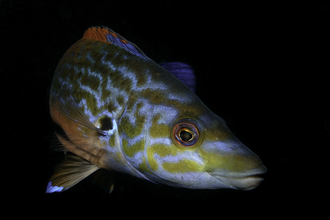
{"x":116,"y":109}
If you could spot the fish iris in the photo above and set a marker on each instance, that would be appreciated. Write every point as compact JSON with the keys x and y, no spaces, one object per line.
{"x":185,"y":133}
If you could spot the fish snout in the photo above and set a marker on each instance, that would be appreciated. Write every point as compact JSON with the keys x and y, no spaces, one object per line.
{"x":236,"y":169}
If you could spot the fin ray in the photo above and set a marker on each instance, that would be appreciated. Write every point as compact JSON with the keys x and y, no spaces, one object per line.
{"x":184,"y":72}
{"x":69,"y":172}
{"x":107,"y":35}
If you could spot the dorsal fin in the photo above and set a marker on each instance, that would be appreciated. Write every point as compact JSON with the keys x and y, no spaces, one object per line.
{"x":96,"y":33}
{"x":105,"y":34}
{"x":184,"y":72}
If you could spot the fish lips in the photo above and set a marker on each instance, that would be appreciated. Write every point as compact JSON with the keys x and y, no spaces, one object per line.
{"x":243,"y":181}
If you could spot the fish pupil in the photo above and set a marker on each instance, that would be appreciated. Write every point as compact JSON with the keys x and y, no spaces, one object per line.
{"x":106,"y":123}
{"x":185,"y":136}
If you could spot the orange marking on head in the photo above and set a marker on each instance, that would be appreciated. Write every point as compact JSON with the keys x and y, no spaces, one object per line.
{"x":97,"y":33}
{"x":124,"y":41}
{"x":114,"y":34}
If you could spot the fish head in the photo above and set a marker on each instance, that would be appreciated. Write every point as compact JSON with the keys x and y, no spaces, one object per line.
{"x":200,"y":152}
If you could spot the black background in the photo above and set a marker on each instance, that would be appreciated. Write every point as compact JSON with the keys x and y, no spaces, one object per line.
{"x":262,"y":67}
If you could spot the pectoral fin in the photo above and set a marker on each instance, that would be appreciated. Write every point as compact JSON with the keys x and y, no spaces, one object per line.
{"x":69,"y":172}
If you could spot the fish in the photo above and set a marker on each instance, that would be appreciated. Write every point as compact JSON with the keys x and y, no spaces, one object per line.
{"x":115,"y":109}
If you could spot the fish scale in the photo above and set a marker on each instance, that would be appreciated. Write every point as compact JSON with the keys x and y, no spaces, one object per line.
{"x":116,"y":109}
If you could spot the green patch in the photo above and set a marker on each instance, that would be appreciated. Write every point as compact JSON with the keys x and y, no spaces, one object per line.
{"x":142,"y":79}
{"x":230,"y":162}
{"x":105,"y":93}
{"x":126,"y":84}
{"x":182,"y":166}
{"x":130,"y":129}
{"x":110,"y":106}
{"x":159,"y":130}
{"x":112,"y":141}
{"x":143,"y":167}
{"x":162,"y":150}
{"x":151,"y":160}
{"x":133,"y":149}
{"x":90,"y":100}
{"x":91,"y":81}
{"x":92,"y":104}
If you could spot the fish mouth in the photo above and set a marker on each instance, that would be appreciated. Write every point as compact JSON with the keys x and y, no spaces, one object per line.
{"x":242,"y":181}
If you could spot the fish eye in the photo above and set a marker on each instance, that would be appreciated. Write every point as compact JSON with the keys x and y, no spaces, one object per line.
{"x":185,"y":133}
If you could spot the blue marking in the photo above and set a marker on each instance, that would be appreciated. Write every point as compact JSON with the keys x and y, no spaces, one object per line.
{"x":51,"y":189}
{"x":184,"y":72}
{"x":128,"y":46}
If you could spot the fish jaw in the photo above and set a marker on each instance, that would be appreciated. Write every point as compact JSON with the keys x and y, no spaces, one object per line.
{"x":217,"y":180}
{"x":242,"y":181}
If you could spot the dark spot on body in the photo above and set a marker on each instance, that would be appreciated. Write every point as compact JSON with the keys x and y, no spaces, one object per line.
{"x":106,"y":123}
